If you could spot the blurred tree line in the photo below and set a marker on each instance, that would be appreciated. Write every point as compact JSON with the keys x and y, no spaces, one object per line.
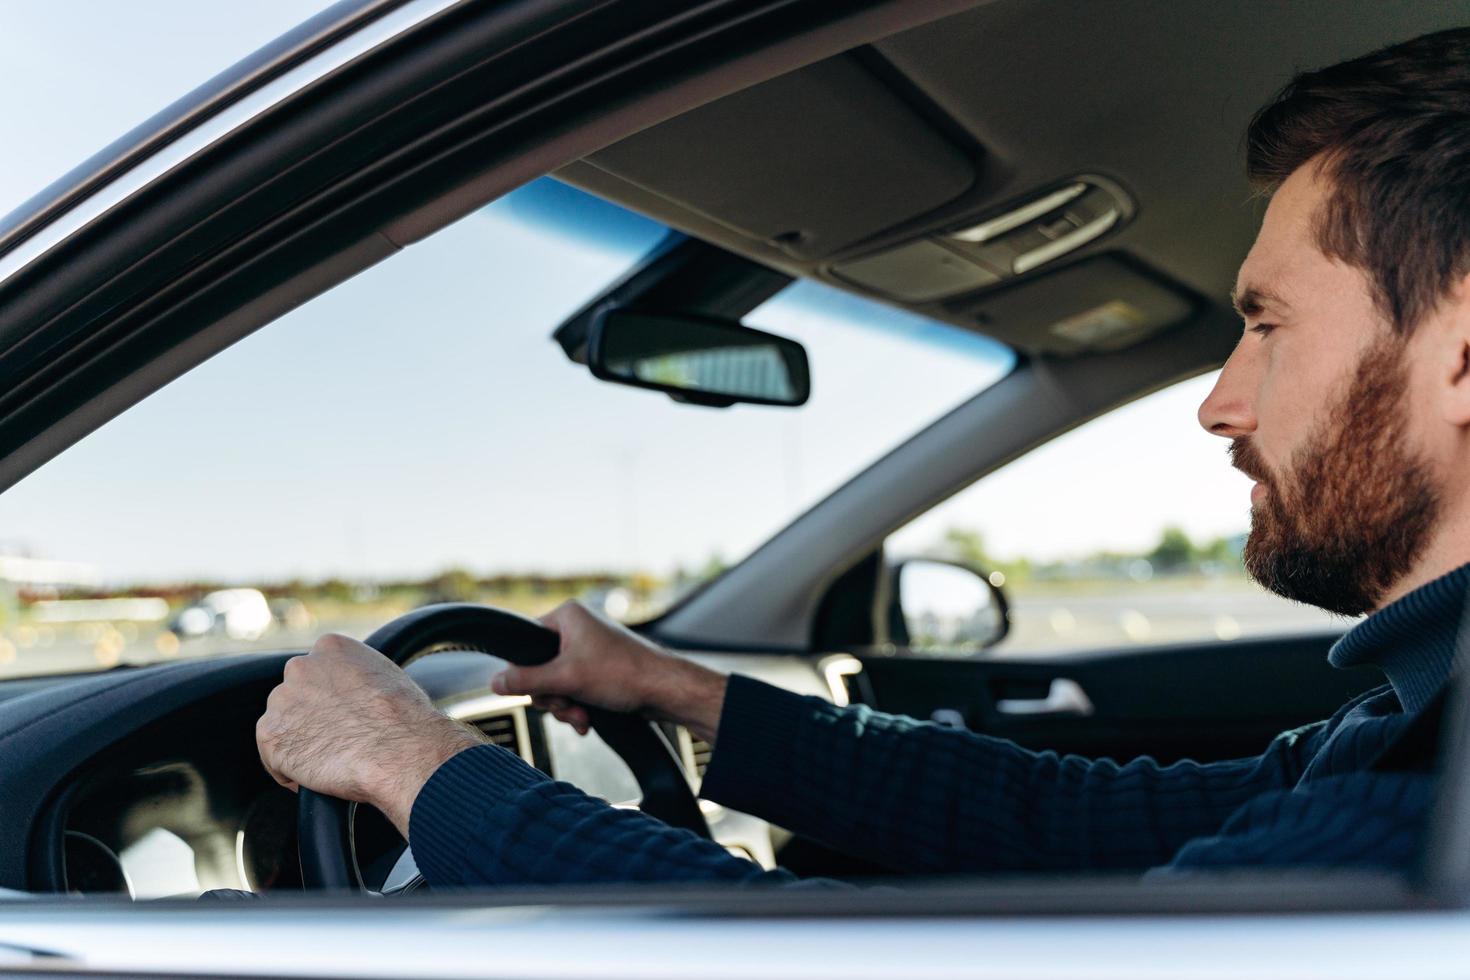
{"x":1175,"y":554}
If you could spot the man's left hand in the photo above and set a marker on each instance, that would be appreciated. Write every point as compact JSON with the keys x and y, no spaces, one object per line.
{"x":347,"y":722}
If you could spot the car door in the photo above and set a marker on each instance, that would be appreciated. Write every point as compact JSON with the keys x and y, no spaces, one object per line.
{"x":1203,"y":701}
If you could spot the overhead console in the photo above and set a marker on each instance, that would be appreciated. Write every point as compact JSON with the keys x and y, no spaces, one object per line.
{"x":1100,"y":303}
{"x":846,"y":171}
{"x":1010,"y":241}
{"x":980,"y":272}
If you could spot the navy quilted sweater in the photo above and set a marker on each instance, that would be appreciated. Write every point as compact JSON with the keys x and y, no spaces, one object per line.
{"x":923,"y":799}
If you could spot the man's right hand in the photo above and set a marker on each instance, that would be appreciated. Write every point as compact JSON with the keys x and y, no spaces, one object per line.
{"x":606,"y":664}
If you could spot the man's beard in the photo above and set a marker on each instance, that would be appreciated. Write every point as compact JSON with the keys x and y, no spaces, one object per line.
{"x":1356,"y":506}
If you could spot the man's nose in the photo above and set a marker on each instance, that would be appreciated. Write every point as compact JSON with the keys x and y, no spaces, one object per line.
{"x":1229,"y":409}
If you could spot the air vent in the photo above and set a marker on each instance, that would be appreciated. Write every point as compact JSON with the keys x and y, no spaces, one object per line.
{"x":700,"y":752}
{"x":507,"y":730}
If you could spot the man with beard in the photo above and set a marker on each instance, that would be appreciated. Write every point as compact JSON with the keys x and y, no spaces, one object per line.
{"x":1347,"y":399}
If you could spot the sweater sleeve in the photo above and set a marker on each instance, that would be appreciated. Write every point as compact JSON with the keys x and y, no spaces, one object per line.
{"x":921,"y":798}
{"x":487,"y":818}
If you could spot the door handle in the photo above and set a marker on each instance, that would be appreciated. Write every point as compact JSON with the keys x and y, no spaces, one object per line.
{"x":1063,"y":697}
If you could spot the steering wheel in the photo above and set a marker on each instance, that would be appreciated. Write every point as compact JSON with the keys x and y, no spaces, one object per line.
{"x":325,"y":826}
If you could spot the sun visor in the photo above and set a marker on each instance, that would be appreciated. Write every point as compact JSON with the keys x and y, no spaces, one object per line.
{"x":1098,"y":304}
{"x":811,"y":162}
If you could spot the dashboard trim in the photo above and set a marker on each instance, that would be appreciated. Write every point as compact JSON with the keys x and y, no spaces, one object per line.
{"x":48,"y":736}
{"x":478,"y":707}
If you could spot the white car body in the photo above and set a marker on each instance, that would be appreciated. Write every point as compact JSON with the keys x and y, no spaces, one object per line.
{"x":240,"y":614}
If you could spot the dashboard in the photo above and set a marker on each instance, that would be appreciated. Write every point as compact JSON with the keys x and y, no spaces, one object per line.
{"x":181,"y":804}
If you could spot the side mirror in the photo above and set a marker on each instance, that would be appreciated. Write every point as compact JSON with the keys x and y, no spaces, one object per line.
{"x":696,"y":359}
{"x":942,"y":607}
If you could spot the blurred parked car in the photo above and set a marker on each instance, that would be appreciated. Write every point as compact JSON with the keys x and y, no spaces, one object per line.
{"x":240,"y":614}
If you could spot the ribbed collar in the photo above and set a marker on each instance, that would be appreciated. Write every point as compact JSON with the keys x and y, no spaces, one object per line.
{"x":1412,"y":640}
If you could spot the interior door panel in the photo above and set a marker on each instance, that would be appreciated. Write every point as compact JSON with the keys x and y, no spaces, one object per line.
{"x":1208,"y":701}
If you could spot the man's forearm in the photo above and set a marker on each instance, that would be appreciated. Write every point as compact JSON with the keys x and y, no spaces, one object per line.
{"x":688,"y":694}
{"x":487,"y":818}
{"x":422,"y":753}
{"x":923,"y":798}
{"x":681,"y":691}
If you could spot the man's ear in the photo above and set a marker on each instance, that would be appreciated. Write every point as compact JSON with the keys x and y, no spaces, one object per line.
{"x":1455,"y":355}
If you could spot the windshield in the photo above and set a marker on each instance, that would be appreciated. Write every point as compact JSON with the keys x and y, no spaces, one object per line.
{"x":415,"y":435}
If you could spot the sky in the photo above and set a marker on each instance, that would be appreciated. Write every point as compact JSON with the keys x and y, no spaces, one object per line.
{"x":1093,"y":489}
{"x":418,"y":417}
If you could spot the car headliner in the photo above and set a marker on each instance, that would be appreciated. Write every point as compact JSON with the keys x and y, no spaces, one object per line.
{"x":967,"y":112}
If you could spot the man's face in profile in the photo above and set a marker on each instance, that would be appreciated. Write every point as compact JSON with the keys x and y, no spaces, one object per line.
{"x":1318,"y":402}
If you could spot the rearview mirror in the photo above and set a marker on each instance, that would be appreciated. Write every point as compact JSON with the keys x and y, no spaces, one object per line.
{"x":697,"y":359}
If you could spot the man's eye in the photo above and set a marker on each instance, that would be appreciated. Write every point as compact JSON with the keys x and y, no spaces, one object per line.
{"x":1263,"y":329}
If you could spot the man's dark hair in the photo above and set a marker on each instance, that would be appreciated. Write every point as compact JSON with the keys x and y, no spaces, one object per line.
{"x":1391,"y":131}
